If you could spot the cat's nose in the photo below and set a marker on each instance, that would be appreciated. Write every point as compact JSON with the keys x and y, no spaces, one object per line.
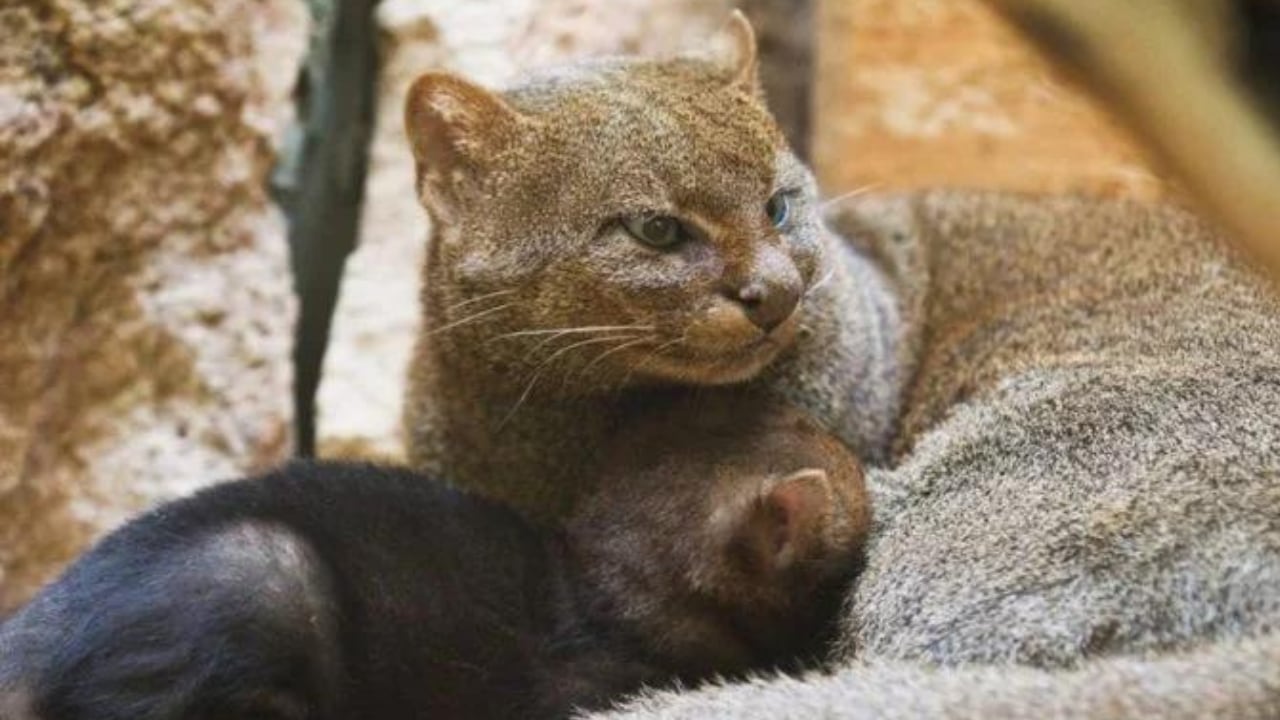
{"x":767,"y":304}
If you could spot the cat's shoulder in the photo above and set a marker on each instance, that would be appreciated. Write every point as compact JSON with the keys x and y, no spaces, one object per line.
{"x":871,"y":216}
{"x":950,"y":231}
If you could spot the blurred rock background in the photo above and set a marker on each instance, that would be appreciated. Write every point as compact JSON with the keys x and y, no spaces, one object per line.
{"x":146,"y":306}
{"x":148,"y":331}
{"x":915,"y":93}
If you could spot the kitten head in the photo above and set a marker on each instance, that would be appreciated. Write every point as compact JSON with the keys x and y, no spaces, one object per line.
{"x":651,"y":206}
{"x":725,"y":532}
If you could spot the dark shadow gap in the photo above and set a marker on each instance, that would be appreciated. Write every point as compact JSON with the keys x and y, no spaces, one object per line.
{"x":319,"y":181}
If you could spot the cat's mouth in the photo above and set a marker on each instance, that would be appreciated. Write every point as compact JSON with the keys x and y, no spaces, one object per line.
{"x":720,"y":364}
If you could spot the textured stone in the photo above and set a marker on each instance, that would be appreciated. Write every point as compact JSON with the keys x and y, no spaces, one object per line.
{"x":363,"y":382}
{"x":922,"y":93}
{"x":145,"y":304}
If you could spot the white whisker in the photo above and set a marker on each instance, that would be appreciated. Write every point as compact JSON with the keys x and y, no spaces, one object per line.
{"x":479,"y":298}
{"x":551,"y":338}
{"x":851,"y":194}
{"x":557,"y":334}
{"x":631,"y":370}
{"x":620,"y":348}
{"x":825,"y":279}
{"x":567,"y":331}
{"x":468,"y":319}
{"x":542,"y":368}
{"x":582,"y":343}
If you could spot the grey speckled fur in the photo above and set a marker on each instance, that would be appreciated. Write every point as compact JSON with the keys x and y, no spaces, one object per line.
{"x":1084,"y":515}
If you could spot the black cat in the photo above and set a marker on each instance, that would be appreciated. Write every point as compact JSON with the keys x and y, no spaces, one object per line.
{"x":354,"y":591}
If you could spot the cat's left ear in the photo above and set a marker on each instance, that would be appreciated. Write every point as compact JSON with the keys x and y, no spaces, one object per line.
{"x":784,"y":522}
{"x":455,"y":128}
{"x":738,"y":53}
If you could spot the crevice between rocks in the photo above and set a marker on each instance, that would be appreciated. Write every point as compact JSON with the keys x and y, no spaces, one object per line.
{"x":319,"y":181}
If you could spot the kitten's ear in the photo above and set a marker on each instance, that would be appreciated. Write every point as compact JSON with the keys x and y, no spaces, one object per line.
{"x":454,"y":128}
{"x":738,"y":53}
{"x":784,"y":523}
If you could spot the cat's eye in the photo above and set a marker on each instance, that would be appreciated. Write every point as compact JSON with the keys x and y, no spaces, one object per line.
{"x":657,"y":231}
{"x":778,"y":209}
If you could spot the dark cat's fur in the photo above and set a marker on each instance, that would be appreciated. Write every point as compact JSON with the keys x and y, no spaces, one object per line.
{"x":719,"y":539}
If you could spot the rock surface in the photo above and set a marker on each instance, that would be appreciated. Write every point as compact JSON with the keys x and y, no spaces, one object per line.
{"x":785,"y":34}
{"x":916,"y":93}
{"x":146,"y":313}
{"x":363,"y":381}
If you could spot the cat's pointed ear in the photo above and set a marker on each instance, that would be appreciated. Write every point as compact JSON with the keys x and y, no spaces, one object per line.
{"x":787,"y":519}
{"x":455,"y":128}
{"x":739,"y":53}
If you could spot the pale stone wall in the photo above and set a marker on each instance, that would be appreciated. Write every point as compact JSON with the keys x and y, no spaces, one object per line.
{"x":362,"y":386}
{"x":146,"y":314}
{"x":915,"y":93}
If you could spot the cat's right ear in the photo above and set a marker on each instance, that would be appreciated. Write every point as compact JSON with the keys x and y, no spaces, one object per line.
{"x":737,"y":49}
{"x":780,"y":528}
{"x":455,"y":129}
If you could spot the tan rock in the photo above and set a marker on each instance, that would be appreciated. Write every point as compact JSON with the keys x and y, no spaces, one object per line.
{"x":145,"y":305}
{"x":1203,"y":93}
{"x":363,"y":380}
{"x":916,"y":93}
{"x":785,"y":35}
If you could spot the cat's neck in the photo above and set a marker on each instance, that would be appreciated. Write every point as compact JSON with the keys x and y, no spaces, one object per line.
{"x":521,"y":442}
{"x":593,"y":660}
{"x":864,"y":318}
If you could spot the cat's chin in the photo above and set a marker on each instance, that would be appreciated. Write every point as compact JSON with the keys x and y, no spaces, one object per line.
{"x":723,"y":369}
{"x":715,"y":360}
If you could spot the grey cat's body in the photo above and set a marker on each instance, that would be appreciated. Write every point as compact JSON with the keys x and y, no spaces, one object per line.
{"x":1098,"y":393}
{"x":1088,"y":480}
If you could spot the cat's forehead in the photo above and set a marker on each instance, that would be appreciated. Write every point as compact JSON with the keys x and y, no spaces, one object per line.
{"x":674,"y":122}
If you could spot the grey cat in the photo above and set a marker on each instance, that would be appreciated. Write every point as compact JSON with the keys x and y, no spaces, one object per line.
{"x":1083,"y":519}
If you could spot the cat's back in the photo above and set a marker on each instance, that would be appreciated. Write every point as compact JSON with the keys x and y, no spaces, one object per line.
{"x":446,"y":595}
{"x":372,"y":527}
{"x":1011,"y":281}
{"x":1090,"y":448}
{"x":390,"y":589}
